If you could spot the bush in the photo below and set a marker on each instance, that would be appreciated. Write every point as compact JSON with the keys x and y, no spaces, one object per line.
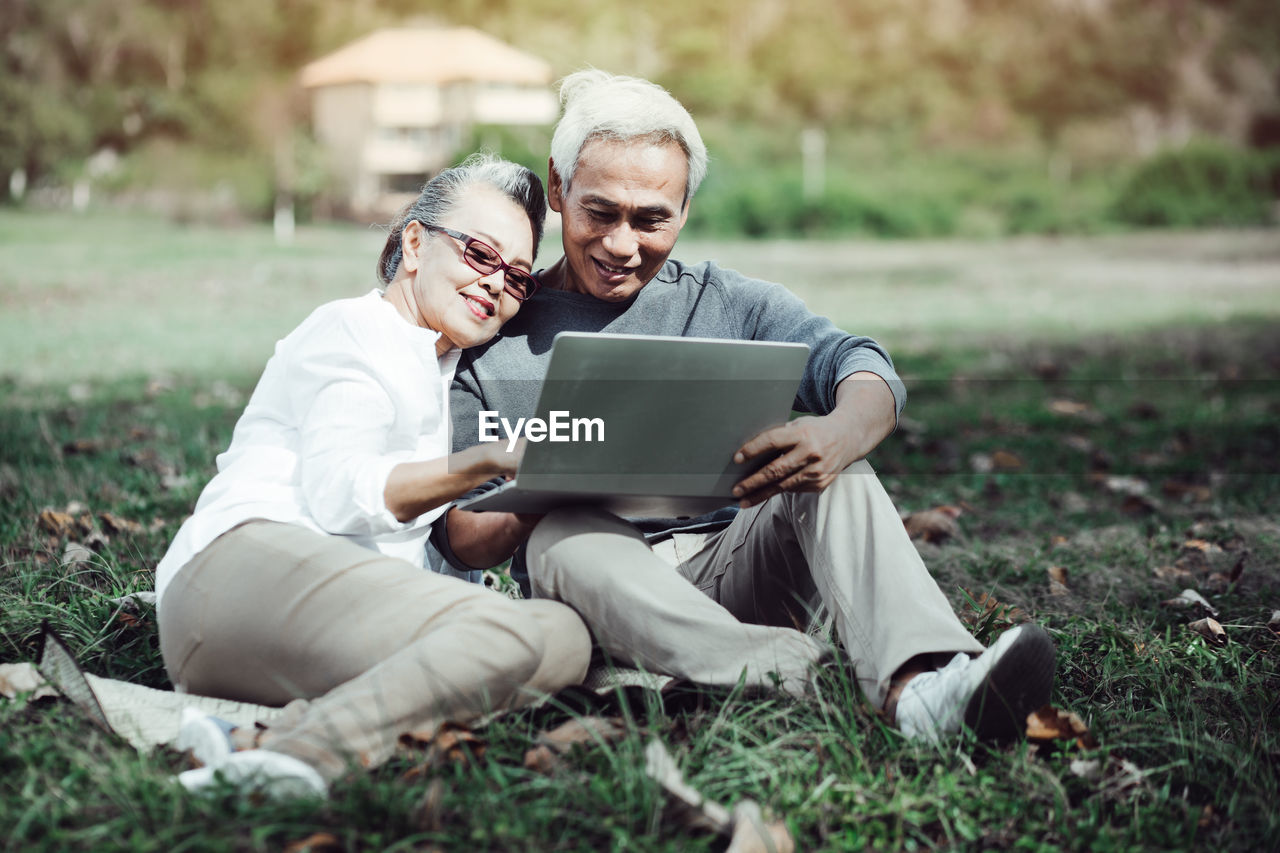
{"x":769,"y":206}
{"x":1203,"y":183}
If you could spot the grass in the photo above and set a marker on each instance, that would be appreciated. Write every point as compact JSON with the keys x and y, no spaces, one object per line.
{"x":1188,"y":753}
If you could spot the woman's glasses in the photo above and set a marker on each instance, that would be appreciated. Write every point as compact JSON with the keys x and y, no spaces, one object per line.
{"x":485,"y":259}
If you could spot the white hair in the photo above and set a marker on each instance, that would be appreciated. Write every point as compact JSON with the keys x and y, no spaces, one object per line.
{"x":600,"y":105}
{"x":441,"y":193}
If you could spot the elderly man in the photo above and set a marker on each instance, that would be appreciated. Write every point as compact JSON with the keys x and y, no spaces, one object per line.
{"x":717,"y":599}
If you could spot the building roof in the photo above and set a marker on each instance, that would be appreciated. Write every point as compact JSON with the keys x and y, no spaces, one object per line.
{"x":427,"y":55}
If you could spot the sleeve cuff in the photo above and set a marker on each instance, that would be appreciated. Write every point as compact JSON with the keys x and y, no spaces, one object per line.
{"x":440,"y":539}
{"x":890,"y":377}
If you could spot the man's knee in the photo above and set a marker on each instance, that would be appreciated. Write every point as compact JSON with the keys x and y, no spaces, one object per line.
{"x":572,"y":539}
{"x":560,"y":525}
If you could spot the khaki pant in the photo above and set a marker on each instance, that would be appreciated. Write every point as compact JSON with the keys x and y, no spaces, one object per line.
{"x":362,"y":647}
{"x":739,"y":599}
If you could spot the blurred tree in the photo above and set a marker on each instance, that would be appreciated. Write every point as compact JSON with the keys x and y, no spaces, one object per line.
{"x":76,"y":76}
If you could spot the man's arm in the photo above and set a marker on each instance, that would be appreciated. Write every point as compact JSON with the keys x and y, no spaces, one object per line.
{"x":815,"y":449}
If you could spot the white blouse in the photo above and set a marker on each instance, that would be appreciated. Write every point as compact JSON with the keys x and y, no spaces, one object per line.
{"x":352,"y":392}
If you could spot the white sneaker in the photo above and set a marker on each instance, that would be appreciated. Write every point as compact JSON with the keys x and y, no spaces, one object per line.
{"x":259,"y":771}
{"x":207,"y":738}
{"x":991,"y":694}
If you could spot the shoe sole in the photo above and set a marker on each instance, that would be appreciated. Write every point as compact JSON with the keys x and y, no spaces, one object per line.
{"x":1019,"y":683}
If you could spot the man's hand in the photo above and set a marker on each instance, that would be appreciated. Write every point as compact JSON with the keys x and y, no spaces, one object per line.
{"x":814,"y":450}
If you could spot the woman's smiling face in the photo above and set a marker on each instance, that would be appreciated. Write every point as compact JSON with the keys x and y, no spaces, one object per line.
{"x":445,"y":294}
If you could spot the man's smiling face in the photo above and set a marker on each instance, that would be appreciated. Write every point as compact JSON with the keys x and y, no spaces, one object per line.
{"x":621,"y":215}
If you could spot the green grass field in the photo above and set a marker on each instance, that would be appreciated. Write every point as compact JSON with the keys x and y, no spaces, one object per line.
{"x":1105,"y":406}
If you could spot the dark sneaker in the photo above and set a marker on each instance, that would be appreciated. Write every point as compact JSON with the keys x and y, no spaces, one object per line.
{"x":991,"y":694}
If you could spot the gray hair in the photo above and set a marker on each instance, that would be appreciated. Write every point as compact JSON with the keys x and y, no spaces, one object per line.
{"x":599,"y":105}
{"x":442,"y":192}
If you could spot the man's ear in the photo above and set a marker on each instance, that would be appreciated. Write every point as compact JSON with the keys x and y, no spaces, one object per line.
{"x":684,"y":213}
{"x":411,"y":240}
{"x":555,"y":190}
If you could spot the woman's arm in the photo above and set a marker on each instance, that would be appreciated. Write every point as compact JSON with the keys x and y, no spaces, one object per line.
{"x":416,"y":487}
{"x":361,"y":405}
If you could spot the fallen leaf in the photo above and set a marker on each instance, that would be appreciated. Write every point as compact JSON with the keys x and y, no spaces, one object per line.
{"x":1086,"y":768}
{"x":19,"y":553}
{"x":752,"y":834}
{"x":1058,"y":581}
{"x":319,"y":842}
{"x":83,"y":446}
{"x":1068,"y":408}
{"x":56,"y":523}
{"x":696,"y":811}
{"x":1173,"y":573}
{"x":1188,"y":599}
{"x":1201,"y":545}
{"x":1124,"y":485}
{"x":1207,"y":817}
{"x":448,"y":744}
{"x":584,"y":730}
{"x":133,"y":602}
{"x":1049,"y":723}
{"x":981,"y":463}
{"x":75,"y":553}
{"x":149,"y":459}
{"x":747,"y":829}
{"x":541,"y":759}
{"x":544,"y":757}
{"x":1123,"y":775}
{"x":1210,"y":629}
{"x":933,"y":525}
{"x":1184,"y":491}
{"x":1137,"y":505}
{"x":1079,"y":443}
{"x":18,"y":678}
{"x":1003,"y":460}
{"x":115,"y":524}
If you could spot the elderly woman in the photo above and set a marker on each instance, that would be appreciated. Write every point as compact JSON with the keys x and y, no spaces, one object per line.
{"x":299,"y":579}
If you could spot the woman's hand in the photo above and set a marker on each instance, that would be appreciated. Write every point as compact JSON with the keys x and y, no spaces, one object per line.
{"x":490,"y":458}
{"x":417,"y":487}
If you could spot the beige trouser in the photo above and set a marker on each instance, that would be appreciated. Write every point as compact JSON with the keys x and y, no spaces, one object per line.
{"x":361,"y":646}
{"x":737,"y":596}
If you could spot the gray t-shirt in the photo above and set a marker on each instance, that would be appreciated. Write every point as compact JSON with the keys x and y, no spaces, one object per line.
{"x":701,"y":300}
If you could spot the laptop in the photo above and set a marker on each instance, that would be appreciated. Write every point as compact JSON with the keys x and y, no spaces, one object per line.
{"x":644,"y":425}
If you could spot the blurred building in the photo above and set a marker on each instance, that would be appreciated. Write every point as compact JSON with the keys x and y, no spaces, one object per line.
{"x":393,"y":107}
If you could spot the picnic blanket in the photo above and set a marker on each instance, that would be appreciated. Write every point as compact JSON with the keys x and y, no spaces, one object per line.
{"x":147,"y":717}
